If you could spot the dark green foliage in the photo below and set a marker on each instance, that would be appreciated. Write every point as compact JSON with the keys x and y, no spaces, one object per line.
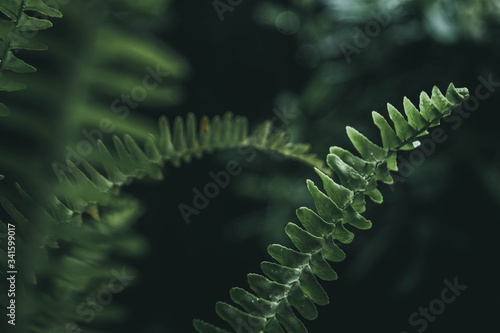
{"x":88,"y":209}
{"x":294,"y":283}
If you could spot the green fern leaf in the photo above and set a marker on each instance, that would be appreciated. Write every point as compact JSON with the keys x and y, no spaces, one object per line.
{"x":292,"y":282}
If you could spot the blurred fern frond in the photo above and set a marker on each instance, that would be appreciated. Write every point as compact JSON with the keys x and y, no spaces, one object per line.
{"x":95,"y":60}
{"x":17,"y":31}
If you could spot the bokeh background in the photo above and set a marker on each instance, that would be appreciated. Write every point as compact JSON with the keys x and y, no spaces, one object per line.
{"x":440,"y":223}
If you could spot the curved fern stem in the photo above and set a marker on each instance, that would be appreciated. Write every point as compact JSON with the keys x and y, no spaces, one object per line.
{"x":223,"y":133}
{"x":181,"y":142}
{"x":83,"y":185}
{"x":292,"y":283}
{"x":227,"y":132}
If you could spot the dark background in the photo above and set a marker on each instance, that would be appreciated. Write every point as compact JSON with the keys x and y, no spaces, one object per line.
{"x":441,"y":223}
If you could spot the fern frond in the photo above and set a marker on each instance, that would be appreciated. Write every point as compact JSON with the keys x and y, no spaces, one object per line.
{"x":84,"y":185}
{"x":16,"y":33}
{"x":227,"y":132}
{"x":184,"y":140}
{"x":292,"y":282}
{"x":76,"y":271}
